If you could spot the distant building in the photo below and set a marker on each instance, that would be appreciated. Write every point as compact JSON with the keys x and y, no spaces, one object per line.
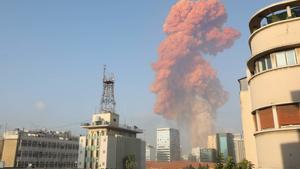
{"x":225,"y":144}
{"x":196,"y":153}
{"x":81,"y":152}
{"x":208,"y":155}
{"x":40,"y":149}
{"x":212,"y":142}
{"x":1,"y":147}
{"x":168,"y":144}
{"x":270,"y":94}
{"x":108,"y":143}
{"x":239,"y":148}
{"x":150,"y":153}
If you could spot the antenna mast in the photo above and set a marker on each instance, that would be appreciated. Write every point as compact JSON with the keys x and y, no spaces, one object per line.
{"x":108,"y":99}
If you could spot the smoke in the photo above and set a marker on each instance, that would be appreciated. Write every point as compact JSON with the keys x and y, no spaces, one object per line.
{"x":187,"y":87}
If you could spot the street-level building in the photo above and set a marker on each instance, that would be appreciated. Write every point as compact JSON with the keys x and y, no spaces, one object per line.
{"x":168,"y":144}
{"x":39,"y":149}
{"x":208,"y":155}
{"x":270,"y":94}
{"x":150,"y":153}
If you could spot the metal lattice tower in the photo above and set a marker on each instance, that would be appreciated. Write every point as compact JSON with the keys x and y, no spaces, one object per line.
{"x":108,"y":99}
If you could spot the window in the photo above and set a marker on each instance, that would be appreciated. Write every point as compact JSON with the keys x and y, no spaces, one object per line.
{"x":266,"y":118}
{"x":263,"y":64}
{"x":286,"y":58}
{"x":288,"y":114}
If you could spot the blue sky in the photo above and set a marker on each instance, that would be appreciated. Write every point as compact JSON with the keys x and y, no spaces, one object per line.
{"x":52,"y":54}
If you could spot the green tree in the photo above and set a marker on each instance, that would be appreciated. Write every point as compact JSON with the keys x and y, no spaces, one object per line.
{"x":245,"y":164}
{"x":130,"y":162}
{"x":230,"y":164}
{"x":220,"y":162}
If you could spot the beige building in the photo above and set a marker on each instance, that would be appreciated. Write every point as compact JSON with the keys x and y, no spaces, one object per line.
{"x":212,"y":142}
{"x":1,"y":147}
{"x":270,"y":94}
{"x":109,"y":144}
{"x":39,"y":148}
{"x":239,"y":148}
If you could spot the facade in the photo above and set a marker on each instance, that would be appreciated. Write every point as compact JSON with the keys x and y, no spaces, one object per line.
{"x":212,"y":141}
{"x":196,"y":153}
{"x":109,"y":144}
{"x":39,"y":148}
{"x":168,"y":144}
{"x":1,"y":147}
{"x":81,"y":152}
{"x":225,"y":144}
{"x":239,"y":148}
{"x":270,"y":94}
{"x":150,"y":153}
{"x":208,"y":155}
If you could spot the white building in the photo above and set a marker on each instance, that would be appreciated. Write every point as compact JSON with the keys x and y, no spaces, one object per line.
{"x":81,"y":151}
{"x":196,"y":153}
{"x":168,"y":144}
{"x":239,"y":148}
{"x":150,"y":153}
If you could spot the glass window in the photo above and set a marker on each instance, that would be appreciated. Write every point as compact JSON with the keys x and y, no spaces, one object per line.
{"x":268,"y":62}
{"x":280,"y":59}
{"x":291,"y":57}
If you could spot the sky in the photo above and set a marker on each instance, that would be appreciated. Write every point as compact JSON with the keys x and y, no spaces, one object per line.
{"x":52,"y":55}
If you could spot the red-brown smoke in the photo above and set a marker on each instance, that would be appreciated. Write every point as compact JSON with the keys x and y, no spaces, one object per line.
{"x":187,"y":87}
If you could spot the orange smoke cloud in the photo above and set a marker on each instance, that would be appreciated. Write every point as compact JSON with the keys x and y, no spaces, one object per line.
{"x":187,"y":87}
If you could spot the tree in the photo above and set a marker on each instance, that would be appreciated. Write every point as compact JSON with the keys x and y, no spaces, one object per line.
{"x":220,"y":162}
{"x":230,"y":164}
{"x":245,"y":164}
{"x":130,"y":162}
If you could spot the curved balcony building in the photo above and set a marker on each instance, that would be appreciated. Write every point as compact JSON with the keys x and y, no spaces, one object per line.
{"x":270,"y":94}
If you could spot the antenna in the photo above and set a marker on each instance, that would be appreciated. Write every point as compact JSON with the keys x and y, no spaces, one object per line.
{"x":108,"y":99}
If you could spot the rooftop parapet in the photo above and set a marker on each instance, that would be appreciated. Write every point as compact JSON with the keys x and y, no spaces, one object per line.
{"x":276,"y":12}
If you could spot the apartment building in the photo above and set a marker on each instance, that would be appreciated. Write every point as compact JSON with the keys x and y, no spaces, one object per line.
{"x":39,"y":148}
{"x":270,"y":94}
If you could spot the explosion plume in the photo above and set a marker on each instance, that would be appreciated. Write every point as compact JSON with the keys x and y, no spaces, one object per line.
{"x":187,"y":87}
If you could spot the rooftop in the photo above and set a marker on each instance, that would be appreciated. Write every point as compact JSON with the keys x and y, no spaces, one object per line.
{"x":120,"y":127}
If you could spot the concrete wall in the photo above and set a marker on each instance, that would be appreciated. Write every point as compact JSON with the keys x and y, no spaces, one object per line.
{"x":276,"y":86}
{"x":278,"y":149}
{"x":9,"y":152}
{"x":277,"y":35}
{"x":248,"y":126}
{"x":81,"y":151}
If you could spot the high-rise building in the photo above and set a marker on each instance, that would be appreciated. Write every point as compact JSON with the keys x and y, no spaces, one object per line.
{"x":150,"y":153}
{"x":270,"y":94}
{"x":239,"y":148}
{"x":167,"y":144}
{"x":225,"y":144}
{"x":39,"y":149}
{"x":109,"y":144}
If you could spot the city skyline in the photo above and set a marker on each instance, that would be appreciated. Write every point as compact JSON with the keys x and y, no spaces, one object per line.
{"x":51,"y":62}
